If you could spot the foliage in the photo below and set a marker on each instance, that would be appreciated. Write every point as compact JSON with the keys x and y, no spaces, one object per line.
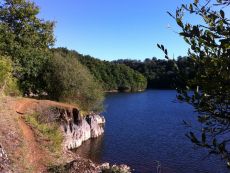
{"x":210,"y":52}
{"x":158,"y":72}
{"x":48,"y":131}
{"x":26,"y":39}
{"x":8,"y":84}
{"x":69,"y":81}
{"x":112,"y":76}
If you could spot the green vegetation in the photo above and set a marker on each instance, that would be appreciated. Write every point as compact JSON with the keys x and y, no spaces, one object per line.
{"x":58,"y":74}
{"x":112,"y":76}
{"x":26,"y":57}
{"x":47,"y":131}
{"x":160,"y":73}
{"x":210,"y":53}
{"x":69,"y":81}
{"x":8,"y":84}
{"x":26,"y":39}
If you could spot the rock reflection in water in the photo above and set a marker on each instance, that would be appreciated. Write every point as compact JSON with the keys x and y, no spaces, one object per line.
{"x":91,"y":149}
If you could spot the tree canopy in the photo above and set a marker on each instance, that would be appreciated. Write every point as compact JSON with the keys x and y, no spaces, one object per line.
{"x":8,"y":84}
{"x":26,"y":39}
{"x":160,"y":73}
{"x":209,"y":51}
{"x":27,"y":59}
{"x":69,"y":81}
{"x":112,"y":76}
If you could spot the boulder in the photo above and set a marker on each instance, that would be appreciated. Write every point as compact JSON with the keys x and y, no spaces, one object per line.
{"x":77,"y":129}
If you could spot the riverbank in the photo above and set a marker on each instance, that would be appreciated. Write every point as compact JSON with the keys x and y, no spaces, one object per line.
{"x":27,"y":145}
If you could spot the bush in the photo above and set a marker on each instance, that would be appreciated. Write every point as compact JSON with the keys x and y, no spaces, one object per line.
{"x":8,"y":84}
{"x":69,"y":81}
{"x":49,"y":131}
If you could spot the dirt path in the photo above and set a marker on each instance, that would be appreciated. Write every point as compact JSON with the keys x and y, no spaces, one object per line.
{"x":35,"y":155}
{"x":26,"y":104}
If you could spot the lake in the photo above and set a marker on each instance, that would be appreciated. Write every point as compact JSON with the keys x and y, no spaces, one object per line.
{"x":146,"y":129}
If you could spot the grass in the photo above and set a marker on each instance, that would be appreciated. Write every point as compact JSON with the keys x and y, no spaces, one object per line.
{"x":48,"y":131}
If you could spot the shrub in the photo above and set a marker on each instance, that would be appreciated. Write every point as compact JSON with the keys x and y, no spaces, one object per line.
{"x":8,"y":84}
{"x":69,"y":81}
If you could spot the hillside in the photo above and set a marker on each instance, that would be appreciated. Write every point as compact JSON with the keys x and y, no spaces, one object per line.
{"x":110,"y":75}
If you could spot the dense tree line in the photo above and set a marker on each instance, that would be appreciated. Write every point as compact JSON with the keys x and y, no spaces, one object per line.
{"x":28,"y":65}
{"x":161,"y":73}
{"x":112,"y":76}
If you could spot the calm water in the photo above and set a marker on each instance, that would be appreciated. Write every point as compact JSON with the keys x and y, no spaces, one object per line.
{"x":144,"y":127}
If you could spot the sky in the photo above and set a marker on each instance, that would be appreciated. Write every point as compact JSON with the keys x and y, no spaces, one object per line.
{"x":115,"y":29}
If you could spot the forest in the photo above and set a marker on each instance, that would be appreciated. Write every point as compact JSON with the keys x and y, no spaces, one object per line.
{"x":31,"y":66}
{"x":161,"y":73}
{"x":110,"y":75}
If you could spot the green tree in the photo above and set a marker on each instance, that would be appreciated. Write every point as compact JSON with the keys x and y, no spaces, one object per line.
{"x":8,"y":84}
{"x":210,"y":53}
{"x":26,"y":39}
{"x":110,"y":75}
{"x":69,"y":81}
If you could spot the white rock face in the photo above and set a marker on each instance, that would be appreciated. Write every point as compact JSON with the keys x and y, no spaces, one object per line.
{"x":96,"y":128}
{"x":76,"y":133}
{"x":99,"y":119}
{"x":79,"y":134}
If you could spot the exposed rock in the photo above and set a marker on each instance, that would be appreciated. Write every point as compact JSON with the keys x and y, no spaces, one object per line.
{"x":77,"y":129}
{"x":106,"y":168}
{"x":96,"y":129}
{"x":99,"y":119}
{"x":80,"y":165}
{"x":4,"y":161}
{"x":76,"y":134}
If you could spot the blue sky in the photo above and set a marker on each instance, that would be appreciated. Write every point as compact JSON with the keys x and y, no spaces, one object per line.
{"x":114,"y":29}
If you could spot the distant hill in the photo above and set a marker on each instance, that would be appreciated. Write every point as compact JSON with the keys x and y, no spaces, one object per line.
{"x":111,"y":75}
{"x":161,"y":73}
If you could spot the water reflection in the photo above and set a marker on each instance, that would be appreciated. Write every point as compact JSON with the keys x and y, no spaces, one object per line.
{"x":144,"y":127}
{"x":91,"y":149}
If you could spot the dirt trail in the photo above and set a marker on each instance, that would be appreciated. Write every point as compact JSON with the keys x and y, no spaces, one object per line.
{"x":26,"y":104}
{"x":34,"y":155}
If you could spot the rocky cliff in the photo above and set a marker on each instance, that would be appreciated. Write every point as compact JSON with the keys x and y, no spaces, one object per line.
{"x":23,"y":149}
{"x":75,"y":127}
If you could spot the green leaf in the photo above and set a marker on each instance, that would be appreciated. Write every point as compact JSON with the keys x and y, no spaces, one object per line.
{"x":179,"y":22}
{"x":191,"y":7}
{"x":203,"y":137}
{"x":222,"y":13}
{"x":196,"y":1}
